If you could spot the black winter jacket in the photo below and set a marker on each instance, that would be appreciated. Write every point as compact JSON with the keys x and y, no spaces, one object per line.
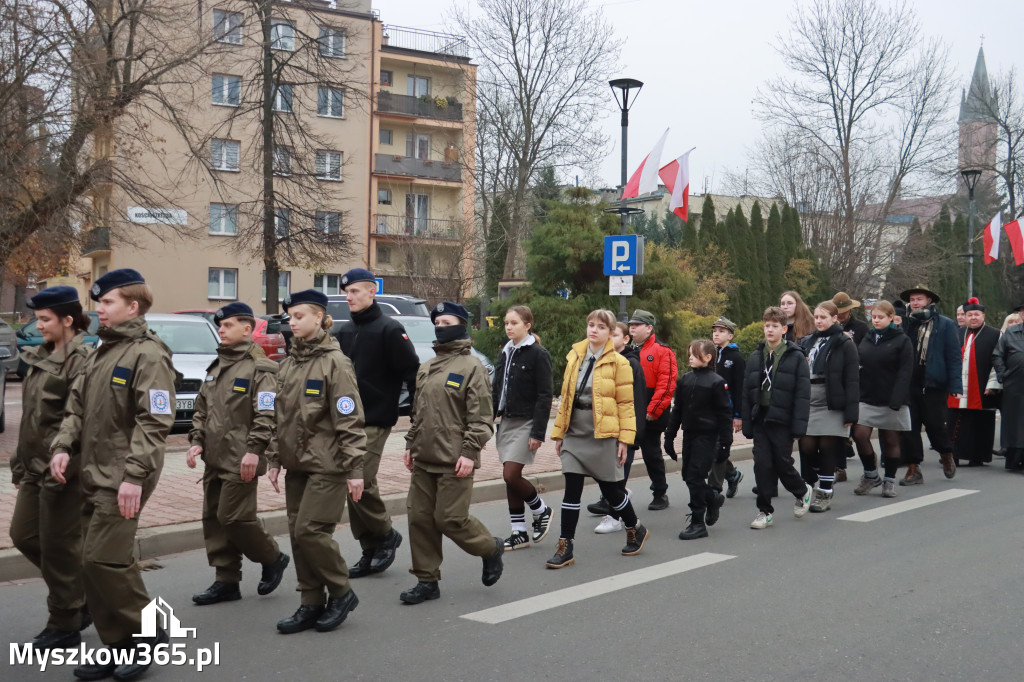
{"x":641,"y":394}
{"x":730,"y":366}
{"x":886,"y":364}
{"x":841,"y":369}
{"x":943,"y":366}
{"x":791,"y":391}
{"x":702,"y":403}
{"x":529,"y":387}
{"x":384,"y":359}
{"x":858,"y":327}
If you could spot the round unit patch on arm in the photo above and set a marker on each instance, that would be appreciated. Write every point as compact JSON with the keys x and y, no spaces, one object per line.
{"x":346,"y":405}
{"x":159,"y":402}
{"x":265,"y":400}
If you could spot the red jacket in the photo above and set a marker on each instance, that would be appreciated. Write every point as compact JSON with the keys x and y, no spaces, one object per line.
{"x":659,"y":363}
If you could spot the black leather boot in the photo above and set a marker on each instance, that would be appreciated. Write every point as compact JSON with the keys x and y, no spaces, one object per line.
{"x":337,"y":611}
{"x":696,"y":529}
{"x":494,"y":564}
{"x":421,"y":592}
{"x":361,"y":568}
{"x":56,"y":639}
{"x":216,"y":593}
{"x":303,"y":619}
{"x":134,"y":669}
{"x":272,"y":574}
{"x":386,"y":552}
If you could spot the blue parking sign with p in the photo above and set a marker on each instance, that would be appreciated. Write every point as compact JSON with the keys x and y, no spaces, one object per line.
{"x":624,"y":255}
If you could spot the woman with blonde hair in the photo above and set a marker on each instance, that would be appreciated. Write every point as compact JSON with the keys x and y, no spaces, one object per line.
{"x":801,"y":320}
{"x":595,"y":425}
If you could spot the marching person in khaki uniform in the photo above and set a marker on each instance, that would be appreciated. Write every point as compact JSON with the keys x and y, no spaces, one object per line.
{"x":231,"y":430}
{"x":45,"y":526}
{"x":320,"y":441}
{"x":119,"y":413}
{"x":451,"y":423}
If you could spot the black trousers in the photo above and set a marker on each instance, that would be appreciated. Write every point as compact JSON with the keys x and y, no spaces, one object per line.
{"x":773,"y":462}
{"x":973,"y":434}
{"x":650,"y":448}
{"x":929,"y":409}
{"x":698,"y":455}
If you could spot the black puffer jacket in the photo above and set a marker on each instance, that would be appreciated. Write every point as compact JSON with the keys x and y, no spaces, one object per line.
{"x":702,"y":403}
{"x":886,"y":365}
{"x":838,"y":363}
{"x":731,"y":367}
{"x":641,"y":394}
{"x":791,"y":391}
{"x":528,"y":395}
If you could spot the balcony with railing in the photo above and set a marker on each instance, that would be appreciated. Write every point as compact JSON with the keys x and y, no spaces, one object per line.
{"x":96,"y":241}
{"x":426,"y":106}
{"x":432,"y":42}
{"x":408,"y":166}
{"x":439,"y":229}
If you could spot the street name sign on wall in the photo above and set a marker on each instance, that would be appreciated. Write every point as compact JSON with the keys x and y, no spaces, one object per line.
{"x":624,"y":255}
{"x":157,"y":216}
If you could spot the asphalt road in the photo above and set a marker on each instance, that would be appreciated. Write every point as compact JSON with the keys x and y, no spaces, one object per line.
{"x":931,"y":593}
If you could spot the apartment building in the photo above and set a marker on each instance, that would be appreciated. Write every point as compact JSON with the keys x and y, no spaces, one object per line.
{"x":357,"y":161}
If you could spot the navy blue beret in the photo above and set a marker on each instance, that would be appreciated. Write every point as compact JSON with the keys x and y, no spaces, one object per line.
{"x":449,"y":308}
{"x":52,"y":297}
{"x":232,"y":310}
{"x":115,"y":279}
{"x":309,"y":296}
{"x":357,"y":275}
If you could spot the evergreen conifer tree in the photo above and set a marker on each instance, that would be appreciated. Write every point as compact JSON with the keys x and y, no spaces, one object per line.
{"x":775,"y":247}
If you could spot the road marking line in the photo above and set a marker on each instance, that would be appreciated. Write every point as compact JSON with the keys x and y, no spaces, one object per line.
{"x":908,"y":505}
{"x":595,"y":588}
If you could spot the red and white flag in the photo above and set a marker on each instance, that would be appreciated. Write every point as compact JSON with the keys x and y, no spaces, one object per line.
{"x":990,"y":238}
{"x":1016,"y":236}
{"x":645,"y":179}
{"x":676,"y":176}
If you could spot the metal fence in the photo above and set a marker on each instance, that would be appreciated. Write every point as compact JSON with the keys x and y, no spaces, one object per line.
{"x":426,"y":41}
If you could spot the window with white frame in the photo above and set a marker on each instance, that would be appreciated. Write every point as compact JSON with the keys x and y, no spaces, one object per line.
{"x":284,"y":282}
{"x":328,"y":165}
{"x":227,"y":27}
{"x":384,"y":197}
{"x":329,"y":284}
{"x":282,"y":222}
{"x":330,"y":101}
{"x":282,"y":160}
{"x":386,"y":136}
{"x":224,"y":219}
{"x":226,"y":90}
{"x":222,"y":283}
{"x":332,"y":42}
{"x":387,"y":77}
{"x":282,"y":35}
{"x":417,"y":86}
{"x":283,"y":97}
{"x":417,"y":146}
{"x":224,"y":154}
{"x":328,"y":223}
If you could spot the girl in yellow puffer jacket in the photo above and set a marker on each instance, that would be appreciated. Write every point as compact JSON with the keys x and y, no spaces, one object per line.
{"x":595,"y":424}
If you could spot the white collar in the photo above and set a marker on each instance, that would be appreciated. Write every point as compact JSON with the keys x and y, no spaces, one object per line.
{"x":529,"y":340}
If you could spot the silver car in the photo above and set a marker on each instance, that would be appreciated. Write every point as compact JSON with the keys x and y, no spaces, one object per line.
{"x":193,"y":342}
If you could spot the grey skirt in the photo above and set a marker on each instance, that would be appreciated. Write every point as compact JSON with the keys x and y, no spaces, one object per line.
{"x":823,"y":421}
{"x":584,"y":454}
{"x":881,"y":417}
{"x":513,"y":441}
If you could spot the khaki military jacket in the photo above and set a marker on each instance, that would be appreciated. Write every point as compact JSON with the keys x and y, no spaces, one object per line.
{"x":319,"y":413}
{"x":120,"y":410}
{"x":452,"y":412}
{"x":44,"y":393}
{"x":235,"y":408}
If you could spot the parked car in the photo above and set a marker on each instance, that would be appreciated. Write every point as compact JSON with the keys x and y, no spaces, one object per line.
{"x":421,"y":332}
{"x":193,"y":341}
{"x":9,"y":341}
{"x":266,"y":334}
{"x":395,"y":305}
{"x":29,"y":336}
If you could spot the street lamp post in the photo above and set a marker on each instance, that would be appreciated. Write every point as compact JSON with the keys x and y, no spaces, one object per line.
{"x":625,"y":91}
{"x":970,"y":176}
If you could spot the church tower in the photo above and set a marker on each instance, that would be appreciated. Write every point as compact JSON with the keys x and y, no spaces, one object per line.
{"x":978,"y":130}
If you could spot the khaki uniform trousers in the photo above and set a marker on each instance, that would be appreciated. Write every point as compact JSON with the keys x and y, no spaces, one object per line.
{"x":230,"y":526}
{"x":369,"y":518}
{"x":438,"y":506}
{"x":315,"y":503}
{"x":114,"y":589}
{"x":47,"y":528}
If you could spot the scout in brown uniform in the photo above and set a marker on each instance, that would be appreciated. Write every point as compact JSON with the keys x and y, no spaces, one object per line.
{"x":320,"y":441}
{"x":451,"y":423}
{"x":231,"y":430}
{"x":119,"y":413}
{"x":45,"y":524}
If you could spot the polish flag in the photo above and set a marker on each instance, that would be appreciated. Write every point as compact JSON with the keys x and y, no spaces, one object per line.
{"x":990,"y":238}
{"x":1013,"y":231}
{"x":645,"y":179}
{"x":676,"y":176}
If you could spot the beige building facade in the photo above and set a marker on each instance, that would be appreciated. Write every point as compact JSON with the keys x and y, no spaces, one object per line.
{"x":337,"y":179}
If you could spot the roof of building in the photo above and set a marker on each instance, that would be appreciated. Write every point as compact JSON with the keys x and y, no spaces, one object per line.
{"x":977,"y":102}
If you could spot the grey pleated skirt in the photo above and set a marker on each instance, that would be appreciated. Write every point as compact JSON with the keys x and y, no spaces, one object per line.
{"x":823,"y":421}
{"x":881,"y":417}
{"x":584,"y":454}
{"x":513,"y":441}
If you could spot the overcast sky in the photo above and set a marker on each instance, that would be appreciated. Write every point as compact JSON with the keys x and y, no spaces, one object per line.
{"x":702,"y":62}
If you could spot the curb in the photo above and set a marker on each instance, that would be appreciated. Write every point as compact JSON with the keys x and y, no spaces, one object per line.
{"x":152,"y":543}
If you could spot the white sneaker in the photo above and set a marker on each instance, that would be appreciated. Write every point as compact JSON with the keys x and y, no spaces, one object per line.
{"x":762,"y":521}
{"x":609,"y":525}
{"x":804,"y":503}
